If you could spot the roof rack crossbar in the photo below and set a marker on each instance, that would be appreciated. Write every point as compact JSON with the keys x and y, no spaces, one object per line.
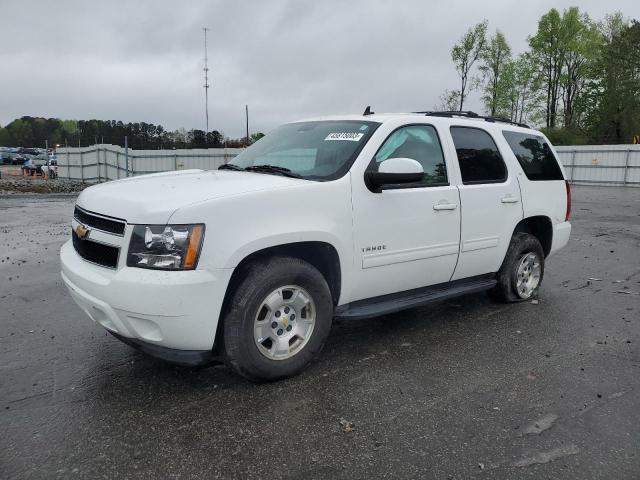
{"x":470,"y":114}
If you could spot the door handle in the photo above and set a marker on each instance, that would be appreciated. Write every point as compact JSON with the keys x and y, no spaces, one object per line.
{"x":509,"y":199}
{"x":445,"y":206}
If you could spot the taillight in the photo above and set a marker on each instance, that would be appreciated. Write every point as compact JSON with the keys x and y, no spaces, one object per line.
{"x":568,"y":214}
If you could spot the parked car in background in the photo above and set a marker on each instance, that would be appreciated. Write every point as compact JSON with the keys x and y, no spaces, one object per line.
{"x":33,"y":165}
{"x":29,"y":152}
{"x":50,"y":170}
{"x":17,"y":156}
{"x":5,"y":157}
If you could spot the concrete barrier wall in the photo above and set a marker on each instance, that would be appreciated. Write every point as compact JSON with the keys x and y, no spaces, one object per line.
{"x":587,"y":164}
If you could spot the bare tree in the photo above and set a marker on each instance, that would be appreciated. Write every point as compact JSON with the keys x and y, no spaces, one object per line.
{"x":449,"y":101}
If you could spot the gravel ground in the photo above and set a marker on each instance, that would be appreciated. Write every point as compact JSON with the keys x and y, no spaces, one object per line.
{"x":461,"y":389}
{"x":11,"y":184}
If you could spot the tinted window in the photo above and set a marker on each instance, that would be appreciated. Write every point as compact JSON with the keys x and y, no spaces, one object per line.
{"x":420,"y":143}
{"x":479,"y":158}
{"x":535,"y":156}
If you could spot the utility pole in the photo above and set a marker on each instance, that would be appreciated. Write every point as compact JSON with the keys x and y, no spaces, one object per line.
{"x":246,"y":114}
{"x":126,"y":154}
{"x":206,"y":81}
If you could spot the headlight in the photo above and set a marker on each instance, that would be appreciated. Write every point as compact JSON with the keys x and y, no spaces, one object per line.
{"x":165,"y":247}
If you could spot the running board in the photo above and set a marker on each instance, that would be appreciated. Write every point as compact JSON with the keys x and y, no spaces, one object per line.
{"x":395,"y":302}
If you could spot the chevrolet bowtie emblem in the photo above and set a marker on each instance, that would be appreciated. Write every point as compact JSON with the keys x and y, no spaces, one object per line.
{"x":82,"y":232}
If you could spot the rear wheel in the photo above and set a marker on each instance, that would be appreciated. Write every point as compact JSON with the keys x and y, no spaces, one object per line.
{"x":278,"y":319}
{"x":522,"y":270}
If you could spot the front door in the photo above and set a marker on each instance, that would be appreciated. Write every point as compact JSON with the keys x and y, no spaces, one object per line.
{"x":407,"y":236}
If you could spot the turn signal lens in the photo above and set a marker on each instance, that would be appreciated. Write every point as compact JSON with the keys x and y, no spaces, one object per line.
{"x":193,"y":249}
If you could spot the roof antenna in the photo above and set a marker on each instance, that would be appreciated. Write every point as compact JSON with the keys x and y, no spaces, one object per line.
{"x":367,"y":111}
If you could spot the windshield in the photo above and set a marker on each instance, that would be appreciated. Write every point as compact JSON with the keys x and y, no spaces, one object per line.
{"x":321,"y":150}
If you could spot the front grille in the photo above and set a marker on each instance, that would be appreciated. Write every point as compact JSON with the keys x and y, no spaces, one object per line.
{"x":95,"y":252}
{"x":100,"y":222}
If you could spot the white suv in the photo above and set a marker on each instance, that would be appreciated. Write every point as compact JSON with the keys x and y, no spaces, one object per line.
{"x":349,"y":216}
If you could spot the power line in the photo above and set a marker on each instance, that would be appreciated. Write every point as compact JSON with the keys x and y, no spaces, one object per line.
{"x":206,"y":81}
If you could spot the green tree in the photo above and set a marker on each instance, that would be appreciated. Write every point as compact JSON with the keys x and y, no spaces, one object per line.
{"x":616,"y":116}
{"x":466,"y":53}
{"x":197,"y":138}
{"x":546,"y":48}
{"x":35,"y":131}
{"x":495,"y":58}
{"x":581,"y":43}
{"x":520,"y":87}
{"x":69,"y":132}
{"x":255,"y":137}
{"x":215,"y":139}
{"x":22,"y":132}
{"x":5,"y":138}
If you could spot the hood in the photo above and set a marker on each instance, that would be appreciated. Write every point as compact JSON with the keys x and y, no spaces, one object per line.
{"x":153,"y":198}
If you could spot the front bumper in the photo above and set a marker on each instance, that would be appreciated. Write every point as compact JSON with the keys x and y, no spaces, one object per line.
{"x":172,"y":310}
{"x":186,"y":358}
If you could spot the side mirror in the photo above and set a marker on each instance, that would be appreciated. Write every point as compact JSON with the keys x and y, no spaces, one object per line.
{"x":393,"y":171}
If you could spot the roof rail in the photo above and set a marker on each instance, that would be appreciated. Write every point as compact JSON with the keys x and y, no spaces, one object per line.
{"x":469,"y":114}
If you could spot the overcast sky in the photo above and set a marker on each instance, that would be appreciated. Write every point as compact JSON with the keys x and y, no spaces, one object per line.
{"x":142,"y":61}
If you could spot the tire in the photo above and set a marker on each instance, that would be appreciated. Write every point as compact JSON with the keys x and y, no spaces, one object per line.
{"x":252,"y":311}
{"x":524,"y":248}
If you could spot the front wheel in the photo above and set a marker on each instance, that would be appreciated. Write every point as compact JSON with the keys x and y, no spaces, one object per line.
{"x":278,"y":319}
{"x":522,"y":270}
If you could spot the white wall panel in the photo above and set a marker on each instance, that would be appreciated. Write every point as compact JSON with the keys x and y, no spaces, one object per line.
{"x":602,"y":164}
{"x":100,"y":163}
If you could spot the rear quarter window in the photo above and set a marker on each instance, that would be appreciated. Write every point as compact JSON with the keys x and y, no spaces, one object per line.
{"x":534,"y":155}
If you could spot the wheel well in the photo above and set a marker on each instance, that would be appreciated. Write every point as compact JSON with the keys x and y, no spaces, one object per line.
{"x":541,"y":228}
{"x":321,"y":255}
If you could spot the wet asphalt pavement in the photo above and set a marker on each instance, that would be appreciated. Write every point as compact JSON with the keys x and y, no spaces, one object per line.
{"x":465,"y":388}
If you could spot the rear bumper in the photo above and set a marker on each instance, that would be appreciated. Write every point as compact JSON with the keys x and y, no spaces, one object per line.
{"x":172,"y":310}
{"x":561,"y":232}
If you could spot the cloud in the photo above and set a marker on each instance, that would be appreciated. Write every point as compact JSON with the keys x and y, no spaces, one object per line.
{"x":142,"y":61}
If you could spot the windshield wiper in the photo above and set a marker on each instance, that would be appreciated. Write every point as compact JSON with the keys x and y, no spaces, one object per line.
{"x":231,"y":166}
{"x":285,"y":172}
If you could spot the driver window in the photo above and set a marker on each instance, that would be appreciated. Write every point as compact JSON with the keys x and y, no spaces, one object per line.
{"x":420,"y":143}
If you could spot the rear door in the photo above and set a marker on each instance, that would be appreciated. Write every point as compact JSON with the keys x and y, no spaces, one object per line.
{"x":490,"y":201}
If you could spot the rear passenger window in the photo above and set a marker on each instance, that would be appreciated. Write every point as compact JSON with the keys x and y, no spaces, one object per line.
{"x":479,"y":158}
{"x":535,"y":156}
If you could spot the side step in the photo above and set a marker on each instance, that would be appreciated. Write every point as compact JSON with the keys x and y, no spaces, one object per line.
{"x":395,"y":302}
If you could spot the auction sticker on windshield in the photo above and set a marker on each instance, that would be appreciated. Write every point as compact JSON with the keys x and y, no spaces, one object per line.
{"x":348,"y":136}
